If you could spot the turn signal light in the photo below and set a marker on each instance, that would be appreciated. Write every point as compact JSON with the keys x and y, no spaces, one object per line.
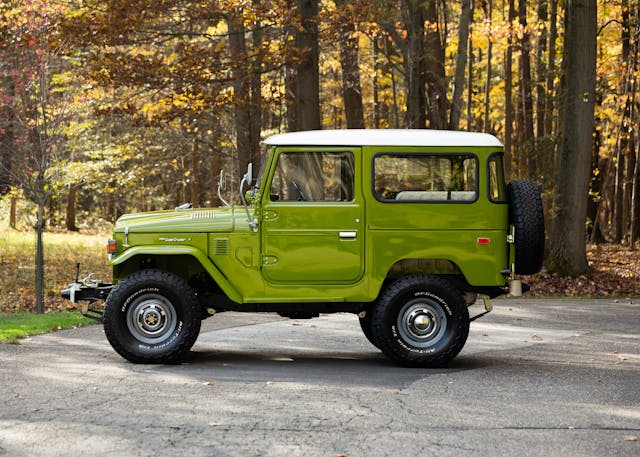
{"x":112,"y":246}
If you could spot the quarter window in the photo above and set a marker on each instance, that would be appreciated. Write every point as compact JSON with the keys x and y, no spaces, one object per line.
{"x":313,"y":176}
{"x":497,"y":191}
{"x":425,"y":177}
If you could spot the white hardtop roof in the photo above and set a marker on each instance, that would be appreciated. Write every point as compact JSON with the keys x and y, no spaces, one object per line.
{"x":383,"y":137}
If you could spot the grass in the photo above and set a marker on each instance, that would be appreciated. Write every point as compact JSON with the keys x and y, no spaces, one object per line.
{"x":14,"y":327}
{"x":62,"y":251}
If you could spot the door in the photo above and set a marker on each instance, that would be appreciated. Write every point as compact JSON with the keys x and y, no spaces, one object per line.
{"x":312,"y":221}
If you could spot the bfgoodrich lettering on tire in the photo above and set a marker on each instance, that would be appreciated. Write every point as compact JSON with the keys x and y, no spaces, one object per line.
{"x":420,"y":321}
{"x":152,"y":316}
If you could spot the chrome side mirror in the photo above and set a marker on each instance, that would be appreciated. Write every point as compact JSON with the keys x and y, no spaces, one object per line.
{"x":248,"y":176}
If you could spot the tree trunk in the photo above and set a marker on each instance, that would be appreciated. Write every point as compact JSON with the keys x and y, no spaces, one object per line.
{"x":595,"y":182}
{"x":629,"y":146}
{"x":508,"y":95}
{"x":567,"y":251}
{"x":434,"y":52}
{"x":487,"y":89}
{"x":461,"y":62}
{"x":470,"y":74}
{"x":525,"y":89}
{"x":194,"y":176}
{"x":70,"y":220}
{"x":308,"y":77}
{"x":241,"y":92}
{"x":635,"y":201}
{"x":394,"y":86}
{"x":635,"y":180}
{"x":351,"y":87}
{"x":290,"y":77}
{"x":540,"y":72}
{"x":551,"y":72}
{"x":7,"y":121}
{"x":40,"y":259}
{"x":12,"y":212}
{"x":415,"y":65}
{"x":255,"y":131}
{"x":377,"y":68}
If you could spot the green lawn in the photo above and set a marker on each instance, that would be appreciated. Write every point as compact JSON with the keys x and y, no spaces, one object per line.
{"x":13,"y":327}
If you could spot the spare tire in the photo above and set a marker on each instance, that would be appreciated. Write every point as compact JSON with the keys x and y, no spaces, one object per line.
{"x":527,"y":216}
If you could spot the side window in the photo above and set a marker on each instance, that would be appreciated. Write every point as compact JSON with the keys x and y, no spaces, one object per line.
{"x":313,"y":176}
{"x":425,"y":177}
{"x":497,"y":192}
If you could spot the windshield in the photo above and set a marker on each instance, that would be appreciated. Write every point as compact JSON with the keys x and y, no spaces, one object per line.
{"x":264,"y":159}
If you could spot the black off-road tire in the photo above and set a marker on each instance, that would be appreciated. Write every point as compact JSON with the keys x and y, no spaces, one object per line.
{"x":152,"y":316}
{"x":366,"y":326}
{"x":420,"y":321}
{"x":527,"y":216}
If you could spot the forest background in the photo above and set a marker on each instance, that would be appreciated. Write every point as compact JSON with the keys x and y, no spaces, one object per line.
{"x":118,"y":106}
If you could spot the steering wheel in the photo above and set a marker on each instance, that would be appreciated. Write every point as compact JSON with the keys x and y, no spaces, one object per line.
{"x":303,"y":197}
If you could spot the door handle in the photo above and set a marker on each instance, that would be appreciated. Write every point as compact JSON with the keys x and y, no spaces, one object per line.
{"x":348,"y":235}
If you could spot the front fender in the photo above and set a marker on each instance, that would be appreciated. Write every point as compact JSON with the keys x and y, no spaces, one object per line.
{"x":201,"y":257}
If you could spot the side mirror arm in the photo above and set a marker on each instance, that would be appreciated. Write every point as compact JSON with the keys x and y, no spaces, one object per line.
{"x":246,"y":179}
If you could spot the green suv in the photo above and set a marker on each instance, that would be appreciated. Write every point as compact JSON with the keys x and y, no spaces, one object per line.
{"x":405,"y":228}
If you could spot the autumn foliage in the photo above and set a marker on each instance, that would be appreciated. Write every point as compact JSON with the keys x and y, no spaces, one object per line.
{"x":155,"y":97}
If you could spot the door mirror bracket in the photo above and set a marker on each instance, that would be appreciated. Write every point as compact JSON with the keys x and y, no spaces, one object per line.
{"x":246,"y":179}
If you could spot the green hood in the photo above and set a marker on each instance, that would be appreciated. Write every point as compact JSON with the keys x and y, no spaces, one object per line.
{"x":184,"y":221}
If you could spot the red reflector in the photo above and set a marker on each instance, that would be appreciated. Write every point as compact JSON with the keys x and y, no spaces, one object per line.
{"x":484,"y":240}
{"x":112,"y":247}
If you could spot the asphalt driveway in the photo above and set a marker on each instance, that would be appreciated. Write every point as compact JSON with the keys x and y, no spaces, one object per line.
{"x":537,"y":377}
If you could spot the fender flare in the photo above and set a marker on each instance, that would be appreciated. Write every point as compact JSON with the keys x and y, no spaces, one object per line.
{"x":201,"y":257}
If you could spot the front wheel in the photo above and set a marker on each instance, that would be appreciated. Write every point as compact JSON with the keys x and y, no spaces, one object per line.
{"x":420,"y":321}
{"x":152,"y":316}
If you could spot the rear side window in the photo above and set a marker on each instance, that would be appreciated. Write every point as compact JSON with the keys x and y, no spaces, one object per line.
{"x":449,"y":178}
{"x":314,"y":177}
{"x":497,"y":192}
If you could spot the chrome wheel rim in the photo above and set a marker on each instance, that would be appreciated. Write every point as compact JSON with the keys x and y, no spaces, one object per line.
{"x":152,"y":319}
{"x":422,"y":323}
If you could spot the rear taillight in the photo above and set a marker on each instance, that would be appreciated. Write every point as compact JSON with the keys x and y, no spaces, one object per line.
{"x":112,"y":246}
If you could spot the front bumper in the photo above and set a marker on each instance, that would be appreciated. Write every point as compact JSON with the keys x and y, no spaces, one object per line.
{"x":88,"y":291}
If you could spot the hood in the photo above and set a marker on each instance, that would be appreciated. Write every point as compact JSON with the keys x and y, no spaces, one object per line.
{"x":184,"y":221}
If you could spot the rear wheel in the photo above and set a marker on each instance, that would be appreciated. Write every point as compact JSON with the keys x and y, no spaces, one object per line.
{"x":420,"y":321}
{"x":152,"y":316}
